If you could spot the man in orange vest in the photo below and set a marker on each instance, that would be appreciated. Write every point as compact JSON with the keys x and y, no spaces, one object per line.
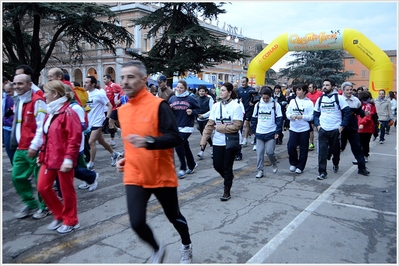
{"x":150,"y":133}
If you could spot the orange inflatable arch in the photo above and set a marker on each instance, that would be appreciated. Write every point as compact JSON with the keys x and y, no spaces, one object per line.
{"x":358,"y":45}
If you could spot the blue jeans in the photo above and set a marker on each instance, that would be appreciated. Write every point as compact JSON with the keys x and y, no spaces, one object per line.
{"x":7,"y":138}
{"x":383,"y":126}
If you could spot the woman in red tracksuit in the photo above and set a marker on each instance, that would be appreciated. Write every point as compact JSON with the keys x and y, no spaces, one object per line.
{"x":366,"y":124}
{"x":62,"y":134}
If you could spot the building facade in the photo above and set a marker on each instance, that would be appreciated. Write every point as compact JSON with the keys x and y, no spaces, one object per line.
{"x":98,"y":62}
{"x":362,"y":73}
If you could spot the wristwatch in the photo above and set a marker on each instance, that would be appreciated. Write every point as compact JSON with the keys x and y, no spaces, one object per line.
{"x":149,"y":139}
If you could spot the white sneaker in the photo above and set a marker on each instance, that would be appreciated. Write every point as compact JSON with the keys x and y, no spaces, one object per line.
{"x":298,"y":171}
{"x":181,"y":174}
{"x":200,"y":154}
{"x":84,"y":185}
{"x":157,"y":256}
{"x":254,"y":148}
{"x":292,"y":168}
{"x":112,"y":143}
{"x":260,"y":174}
{"x":90,"y":166}
{"x":190,"y":171}
{"x":244,"y":142}
{"x":114,"y":158}
{"x":275,"y":168}
{"x":54,"y":225}
{"x":186,"y":254}
{"x":93,"y":186}
{"x":64,"y":229}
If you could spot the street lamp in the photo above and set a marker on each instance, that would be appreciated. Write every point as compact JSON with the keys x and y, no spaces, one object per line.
{"x":232,"y":31}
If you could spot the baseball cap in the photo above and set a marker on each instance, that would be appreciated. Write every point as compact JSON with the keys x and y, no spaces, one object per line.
{"x":161,"y":78}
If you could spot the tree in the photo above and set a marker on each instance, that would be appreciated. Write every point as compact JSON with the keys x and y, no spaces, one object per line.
{"x":31,"y":32}
{"x":314,"y":66}
{"x":271,"y":77}
{"x":182,"y":43}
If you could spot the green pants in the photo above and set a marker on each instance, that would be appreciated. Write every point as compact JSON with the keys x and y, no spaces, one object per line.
{"x":23,"y":168}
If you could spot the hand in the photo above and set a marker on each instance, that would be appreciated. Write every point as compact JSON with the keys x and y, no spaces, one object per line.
{"x":136,"y":141}
{"x":200,"y":116}
{"x":66,"y":167}
{"x":340,"y":129}
{"x":32,"y":153}
{"x":38,"y":162}
{"x":361,"y":126}
{"x":189,"y":111}
{"x":120,"y":165}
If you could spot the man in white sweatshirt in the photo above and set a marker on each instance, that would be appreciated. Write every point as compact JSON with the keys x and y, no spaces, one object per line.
{"x":331,"y":115}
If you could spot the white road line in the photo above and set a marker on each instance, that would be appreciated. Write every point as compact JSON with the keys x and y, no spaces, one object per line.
{"x":276,"y":241}
{"x":360,"y":207}
{"x":382,"y":154}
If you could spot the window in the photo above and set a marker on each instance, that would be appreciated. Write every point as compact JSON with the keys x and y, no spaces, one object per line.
{"x":363,"y":73}
{"x":351,"y":61}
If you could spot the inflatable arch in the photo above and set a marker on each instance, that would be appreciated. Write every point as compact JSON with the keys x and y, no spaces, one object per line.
{"x":358,"y":45}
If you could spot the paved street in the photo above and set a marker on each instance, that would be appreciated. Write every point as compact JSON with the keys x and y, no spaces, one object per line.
{"x":281,"y":218}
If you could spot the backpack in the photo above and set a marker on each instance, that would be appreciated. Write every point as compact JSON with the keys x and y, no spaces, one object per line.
{"x":336,"y":100}
{"x":86,"y":116}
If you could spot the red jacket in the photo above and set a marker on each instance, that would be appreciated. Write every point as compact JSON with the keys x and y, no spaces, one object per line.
{"x":367,"y":121}
{"x":114,"y":92}
{"x":314,"y":96}
{"x":62,"y":140}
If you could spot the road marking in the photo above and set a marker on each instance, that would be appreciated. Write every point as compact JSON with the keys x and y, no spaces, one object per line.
{"x":382,"y":154}
{"x":276,"y":241}
{"x":360,"y":207}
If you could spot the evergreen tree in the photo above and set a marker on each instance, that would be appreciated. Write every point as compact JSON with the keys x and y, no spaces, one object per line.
{"x":314,"y":66}
{"x":32,"y":30}
{"x":182,"y":44}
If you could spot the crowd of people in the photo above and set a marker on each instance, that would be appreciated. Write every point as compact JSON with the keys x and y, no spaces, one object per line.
{"x":50,"y":134}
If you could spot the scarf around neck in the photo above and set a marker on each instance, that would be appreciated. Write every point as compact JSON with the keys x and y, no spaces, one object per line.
{"x":184,"y":94}
{"x":52,"y":109}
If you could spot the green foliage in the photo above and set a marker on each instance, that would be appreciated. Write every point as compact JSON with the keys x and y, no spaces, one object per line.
{"x":182,"y":44}
{"x":32,"y":30}
{"x":314,"y":66}
{"x":271,"y":77}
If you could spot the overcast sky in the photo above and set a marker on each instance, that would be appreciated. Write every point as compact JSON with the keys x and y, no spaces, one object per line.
{"x":266,"y":20}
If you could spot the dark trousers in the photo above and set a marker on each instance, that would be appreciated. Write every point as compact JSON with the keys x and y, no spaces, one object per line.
{"x":201,"y":126}
{"x":328,"y":141}
{"x":365,"y":143}
{"x":87,"y":148}
{"x":383,"y":126}
{"x":354,"y":140}
{"x":223,"y":161}
{"x":184,"y":152}
{"x":300,"y":139}
{"x":137,"y":199}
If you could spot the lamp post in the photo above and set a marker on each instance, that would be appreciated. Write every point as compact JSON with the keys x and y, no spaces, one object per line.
{"x":232,"y":33}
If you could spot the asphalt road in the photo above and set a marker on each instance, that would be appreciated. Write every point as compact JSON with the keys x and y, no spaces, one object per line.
{"x":281,"y":218}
